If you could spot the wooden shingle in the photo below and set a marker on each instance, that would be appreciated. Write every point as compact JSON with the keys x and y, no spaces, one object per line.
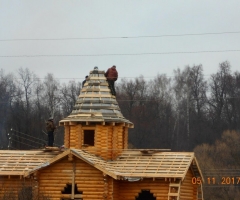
{"x":96,"y":103}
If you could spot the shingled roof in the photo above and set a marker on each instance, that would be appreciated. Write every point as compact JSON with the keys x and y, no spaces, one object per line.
{"x":96,"y":103}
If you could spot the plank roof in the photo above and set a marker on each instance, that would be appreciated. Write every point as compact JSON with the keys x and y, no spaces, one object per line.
{"x":96,"y":103}
{"x":17,"y":162}
{"x":136,"y":164}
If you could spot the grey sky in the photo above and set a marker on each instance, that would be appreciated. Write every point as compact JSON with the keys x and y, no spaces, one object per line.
{"x":56,"y":19}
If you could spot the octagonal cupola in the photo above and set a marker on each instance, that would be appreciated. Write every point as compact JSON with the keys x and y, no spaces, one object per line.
{"x":96,"y":123}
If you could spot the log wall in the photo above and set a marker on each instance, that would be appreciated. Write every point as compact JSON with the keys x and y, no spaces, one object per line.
{"x":67,"y":136}
{"x":73,"y":137}
{"x":188,"y":190}
{"x":115,"y":190}
{"x":108,"y":140}
{"x":125,"y":138}
{"x":130,"y":190}
{"x":54,"y":178}
{"x":10,"y":186}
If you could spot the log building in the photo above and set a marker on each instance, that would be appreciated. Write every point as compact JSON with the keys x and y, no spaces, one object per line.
{"x":96,"y":163}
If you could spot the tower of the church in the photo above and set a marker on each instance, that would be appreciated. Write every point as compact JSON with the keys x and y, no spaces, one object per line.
{"x":96,"y":123}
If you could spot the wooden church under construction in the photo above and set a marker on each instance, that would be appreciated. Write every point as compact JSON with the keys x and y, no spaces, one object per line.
{"x":96,"y":163}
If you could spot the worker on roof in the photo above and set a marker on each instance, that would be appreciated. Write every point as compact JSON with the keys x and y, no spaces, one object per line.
{"x":50,"y":130}
{"x":84,"y":81}
{"x":112,"y":76}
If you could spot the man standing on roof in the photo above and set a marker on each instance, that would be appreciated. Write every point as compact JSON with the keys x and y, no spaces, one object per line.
{"x":84,"y":81}
{"x":50,"y":130}
{"x":112,"y":76}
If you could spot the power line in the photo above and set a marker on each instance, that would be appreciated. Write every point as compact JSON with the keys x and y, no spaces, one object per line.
{"x":123,"y":37}
{"x":120,"y":77}
{"x":13,"y":148}
{"x":123,"y":54}
{"x":27,"y":135}
{"x":138,"y":100}
{"x":24,"y":143}
{"x":31,"y":137}
{"x":31,"y":140}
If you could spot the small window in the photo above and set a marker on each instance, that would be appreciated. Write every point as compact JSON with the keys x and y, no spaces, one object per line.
{"x":68,"y":190}
{"x":88,"y":137}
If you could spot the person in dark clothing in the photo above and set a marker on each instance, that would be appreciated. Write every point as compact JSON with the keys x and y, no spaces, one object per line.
{"x":84,"y":81}
{"x":112,"y":76}
{"x":50,"y":130}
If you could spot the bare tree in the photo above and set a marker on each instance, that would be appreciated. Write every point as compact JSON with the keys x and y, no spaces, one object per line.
{"x":219,"y":84}
{"x":220,"y":163}
{"x":69,"y":93}
{"x":182,"y":88}
{"x":7,"y":93}
{"x":160,"y":110}
{"x":128,"y":94}
{"x":51,"y":94}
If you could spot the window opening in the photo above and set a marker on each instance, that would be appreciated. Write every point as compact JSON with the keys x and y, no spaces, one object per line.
{"x":68,"y":190}
{"x":88,"y":137}
{"x":145,"y":195}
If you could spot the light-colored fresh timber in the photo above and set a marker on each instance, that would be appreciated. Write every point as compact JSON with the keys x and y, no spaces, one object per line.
{"x":99,"y":166}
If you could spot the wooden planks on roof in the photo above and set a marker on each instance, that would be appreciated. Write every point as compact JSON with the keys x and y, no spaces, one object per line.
{"x":135,"y":164}
{"x":96,"y":103}
{"x":128,"y":164}
{"x":15,"y":162}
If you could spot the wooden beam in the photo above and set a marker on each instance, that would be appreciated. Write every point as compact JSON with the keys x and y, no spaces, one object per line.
{"x":61,"y":123}
{"x":112,"y":123}
{"x":66,"y":123}
{"x":70,"y":157}
{"x":36,"y":175}
{"x":73,"y":179}
{"x":121,"y":124}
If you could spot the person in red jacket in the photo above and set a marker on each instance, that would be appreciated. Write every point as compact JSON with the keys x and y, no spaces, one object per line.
{"x":112,"y":76}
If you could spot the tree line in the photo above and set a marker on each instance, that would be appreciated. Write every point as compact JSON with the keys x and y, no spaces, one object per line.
{"x":186,"y":112}
{"x":182,"y":111}
{"x":26,"y":102}
{"x":177,"y":113}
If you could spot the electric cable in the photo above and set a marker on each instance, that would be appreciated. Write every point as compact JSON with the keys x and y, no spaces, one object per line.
{"x":33,"y":138}
{"x":27,"y":135}
{"x":123,"y":54}
{"x":124,"y":37}
{"x":24,"y":143}
{"x":27,"y":139}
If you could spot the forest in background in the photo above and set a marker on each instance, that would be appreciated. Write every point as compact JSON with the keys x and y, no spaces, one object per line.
{"x":189,"y":111}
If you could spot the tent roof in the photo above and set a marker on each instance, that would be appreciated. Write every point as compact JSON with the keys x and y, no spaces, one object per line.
{"x":96,"y":104}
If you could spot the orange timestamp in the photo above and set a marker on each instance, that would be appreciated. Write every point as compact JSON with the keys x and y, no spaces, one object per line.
{"x":224,"y":180}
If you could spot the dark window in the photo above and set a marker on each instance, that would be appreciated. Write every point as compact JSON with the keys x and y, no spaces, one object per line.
{"x":88,"y":137}
{"x":68,"y":190}
{"x":145,"y":194}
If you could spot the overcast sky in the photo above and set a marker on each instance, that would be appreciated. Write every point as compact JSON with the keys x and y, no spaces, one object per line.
{"x":109,"y":21}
